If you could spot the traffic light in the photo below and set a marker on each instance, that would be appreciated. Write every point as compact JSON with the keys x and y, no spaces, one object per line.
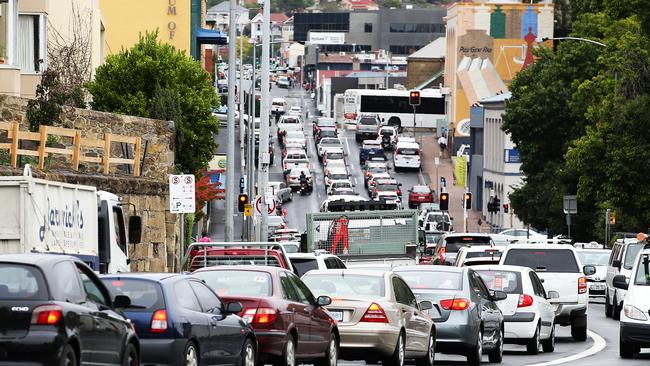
{"x":242,"y":201}
{"x":468,"y":200}
{"x":497,"y":204}
{"x":414,"y":97}
{"x":506,"y":207}
{"x":444,"y":201}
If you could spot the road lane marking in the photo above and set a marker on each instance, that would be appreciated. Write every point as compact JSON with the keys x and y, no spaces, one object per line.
{"x":599,"y":345}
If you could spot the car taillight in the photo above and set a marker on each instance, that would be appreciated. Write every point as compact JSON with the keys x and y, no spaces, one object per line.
{"x":260,"y":315}
{"x":525,"y":301}
{"x":47,"y":315}
{"x":159,"y":321}
{"x":374,"y":314}
{"x":582,"y":285}
{"x":397,"y":152}
{"x":454,"y":304}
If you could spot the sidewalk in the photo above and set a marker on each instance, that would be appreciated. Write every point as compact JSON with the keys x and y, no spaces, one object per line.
{"x":430,"y":150}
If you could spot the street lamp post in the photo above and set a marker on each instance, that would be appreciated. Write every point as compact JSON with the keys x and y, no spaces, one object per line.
{"x":230,"y":157}
{"x":264,"y":120}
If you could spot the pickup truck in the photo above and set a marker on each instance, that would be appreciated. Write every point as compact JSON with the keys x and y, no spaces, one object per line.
{"x":202,"y":255}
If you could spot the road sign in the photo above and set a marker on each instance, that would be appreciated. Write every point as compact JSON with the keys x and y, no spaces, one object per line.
{"x":258,"y":205}
{"x":570,"y":205}
{"x":182,"y":193}
{"x":248,"y":210}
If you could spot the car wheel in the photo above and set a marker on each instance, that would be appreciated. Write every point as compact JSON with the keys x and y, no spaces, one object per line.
{"x":429,"y":359}
{"x":247,"y":354}
{"x":289,"y":353}
{"x":68,"y":357}
{"x":130,"y":357}
{"x":397,"y":358}
{"x":331,"y":354}
{"x":608,"y":306}
{"x":579,"y":332}
{"x":548,"y":345}
{"x":191,"y":355}
{"x":532,"y":345}
{"x":475,"y":354}
{"x":496,"y":355}
{"x":626,"y":350}
{"x":616,"y":310}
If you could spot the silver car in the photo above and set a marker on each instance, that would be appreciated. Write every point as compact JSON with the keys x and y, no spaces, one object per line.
{"x":378,"y":316}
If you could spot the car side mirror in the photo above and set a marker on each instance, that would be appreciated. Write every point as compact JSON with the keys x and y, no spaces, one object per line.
{"x":589,"y":270}
{"x":425,"y":305}
{"x":121,"y":302}
{"x":451,"y":219}
{"x":497,"y":295}
{"x":620,"y":282}
{"x":324,"y":300}
{"x":616,"y":263}
{"x":552,"y":295}
{"x":234,"y":308}
{"x":135,"y":229}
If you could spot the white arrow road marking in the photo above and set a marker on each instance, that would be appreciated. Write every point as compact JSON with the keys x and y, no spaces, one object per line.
{"x":599,"y":345}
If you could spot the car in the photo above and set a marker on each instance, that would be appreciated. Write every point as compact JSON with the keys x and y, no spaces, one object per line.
{"x":335,"y":184}
{"x":282,"y":235}
{"x":635,"y":317}
{"x":342,"y":191}
{"x":289,"y":123}
{"x":373,"y":167}
{"x":333,"y":154}
{"x":450,"y":243}
{"x":281,"y":191}
{"x":407,"y":156}
{"x":367,"y":127}
{"x":378,"y":316}
{"x":621,"y":261}
{"x":324,"y":207}
{"x":334,"y":164}
{"x":295,"y":110}
{"x":420,"y":194}
{"x":473,"y":256}
{"x":467,"y":317}
{"x":522,"y":233}
{"x":274,"y":256}
{"x":328,"y":143}
{"x":54,"y":310}
{"x":386,"y":184}
{"x":297,"y":137}
{"x":177,"y":317}
{"x":391,"y":133}
{"x":435,"y":221}
{"x":278,"y":106}
{"x":293,"y":146}
{"x":367,"y":147}
{"x":528,"y":315}
{"x":322,"y":122}
{"x":335,"y":174}
{"x":389,"y":197}
{"x":295,"y":159}
{"x":326,"y":132}
{"x":597,"y":258}
{"x":293,"y":178}
{"x":372,"y":180}
{"x":291,"y":325}
{"x":275,"y":223}
{"x":283,"y":82}
{"x":305,"y":262}
{"x":559,"y":267}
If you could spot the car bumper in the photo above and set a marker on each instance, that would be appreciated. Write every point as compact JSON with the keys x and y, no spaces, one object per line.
{"x":636,"y":333}
{"x":597,"y":288}
{"x":36,"y":348}
{"x":270,"y":343}
{"x":407,"y":164}
{"x":159,"y":352}
{"x":360,"y":339}
{"x":566,"y":312}
{"x":456,"y":334}
{"x":366,"y":135}
{"x":520,"y":326}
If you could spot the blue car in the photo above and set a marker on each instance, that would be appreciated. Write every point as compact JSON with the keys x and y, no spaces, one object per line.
{"x":181,"y":321}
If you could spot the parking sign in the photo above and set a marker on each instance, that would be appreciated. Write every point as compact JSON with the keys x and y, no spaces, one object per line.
{"x":182,"y":193}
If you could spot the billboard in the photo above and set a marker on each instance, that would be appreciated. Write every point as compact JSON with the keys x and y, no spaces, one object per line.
{"x":326,"y":38}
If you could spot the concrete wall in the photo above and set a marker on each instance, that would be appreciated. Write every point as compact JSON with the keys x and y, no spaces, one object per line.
{"x":357,"y":34}
{"x":159,"y":248}
{"x":425,"y":16}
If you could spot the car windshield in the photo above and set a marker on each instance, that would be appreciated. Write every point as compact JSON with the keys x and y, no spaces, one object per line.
{"x":630,"y":254}
{"x":330,"y":141}
{"x":238,"y":283}
{"x":408,"y":151}
{"x":643,"y":271}
{"x":339,"y":176}
{"x":328,"y":133}
{"x":21,"y":282}
{"x":506,"y":281}
{"x":304,"y":265}
{"x":543,"y":260}
{"x":454,"y":243}
{"x":367,"y":121}
{"x":421,"y":189}
{"x":377,"y":169}
{"x":295,"y":135}
{"x":278,"y":103}
{"x":496,"y":254}
{"x":438,"y":218}
{"x":335,"y":155}
{"x":338,"y":285}
{"x":326,"y":122}
{"x":387,"y":186}
{"x":432,"y":280}
{"x":144,"y":294}
{"x":594,"y":258}
{"x":290,"y":120}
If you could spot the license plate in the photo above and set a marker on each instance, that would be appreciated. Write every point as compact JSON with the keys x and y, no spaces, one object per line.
{"x":597,"y":287}
{"x":337,"y":315}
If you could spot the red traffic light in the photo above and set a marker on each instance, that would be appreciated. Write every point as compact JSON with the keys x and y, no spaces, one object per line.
{"x":414,"y":97}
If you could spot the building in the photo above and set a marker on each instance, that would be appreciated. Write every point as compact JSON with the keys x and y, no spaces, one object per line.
{"x":425,"y":66}
{"x":400,"y":31}
{"x":277,"y":22}
{"x":218,"y":16}
{"x":287,"y":30}
{"x":356,"y":5}
{"x":29,"y":29}
{"x":488,"y":42}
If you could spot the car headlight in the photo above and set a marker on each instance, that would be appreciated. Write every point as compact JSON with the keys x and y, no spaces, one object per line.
{"x":634,"y":313}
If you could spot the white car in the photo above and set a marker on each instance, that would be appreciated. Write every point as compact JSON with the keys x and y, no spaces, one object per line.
{"x":528,"y":315}
{"x":293,"y":178}
{"x":480,"y":255}
{"x":289,"y":123}
{"x":597,"y":258}
{"x":295,"y":159}
{"x":390,"y":197}
{"x":305,"y":262}
{"x":334,"y":174}
{"x":324,"y":207}
{"x":295,"y":110}
{"x":295,"y":137}
{"x":278,"y":105}
{"x":335,"y":164}
{"x":560,"y":269}
{"x":522,"y":233}
{"x":328,"y":143}
{"x":334,"y":184}
{"x":635,"y":317}
{"x":407,"y":156}
{"x":621,"y":262}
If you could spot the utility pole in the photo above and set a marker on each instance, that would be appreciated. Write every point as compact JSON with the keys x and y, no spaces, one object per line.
{"x":242,"y":129}
{"x":230,"y":155}
{"x":251,"y":147}
{"x":264,"y":119}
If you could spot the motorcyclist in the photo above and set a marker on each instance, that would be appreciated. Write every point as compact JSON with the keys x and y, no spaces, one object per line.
{"x":303,"y":179}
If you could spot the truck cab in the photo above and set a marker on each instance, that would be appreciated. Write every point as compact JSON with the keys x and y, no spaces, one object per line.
{"x":112,"y":238}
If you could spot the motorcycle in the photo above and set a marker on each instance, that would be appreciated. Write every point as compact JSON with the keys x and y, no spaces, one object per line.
{"x":303,"y":188}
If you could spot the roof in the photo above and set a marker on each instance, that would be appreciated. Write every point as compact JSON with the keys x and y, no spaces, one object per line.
{"x":140,"y":275}
{"x":499,"y":98}
{"x":434,"y":50}
{"x":275,"y":17}
{"x":375,"y":74}
{"x":36,"y":259}
{"x":348,"y":272}
{"x":224,"y":7}
{"x":419,"y":268}
{"x":268,"y":269}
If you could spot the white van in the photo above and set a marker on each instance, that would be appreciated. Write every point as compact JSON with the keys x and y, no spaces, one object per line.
{"x":621,"y":261}
{"x":407,"y":155}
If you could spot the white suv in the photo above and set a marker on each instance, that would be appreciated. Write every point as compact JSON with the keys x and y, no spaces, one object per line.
{"x":305,"y":262}
{"x":635,"y":317}
{"x":407,"y":155}
{"x":560,"y":269}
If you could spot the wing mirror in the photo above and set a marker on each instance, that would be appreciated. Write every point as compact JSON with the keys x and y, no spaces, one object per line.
{"x":589,"y":270}
{"x":425,"y":305}
{"x":324,"y":300}
{"x":234,"y":308}
{"x":616,"y":263}
{"x":620,"y":282}
{"x":498,"y":295}
{"x":135,"y":229}
{"x":552,"y":295}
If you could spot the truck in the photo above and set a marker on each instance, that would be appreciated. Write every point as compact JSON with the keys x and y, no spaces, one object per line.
{"x":42,"y":216}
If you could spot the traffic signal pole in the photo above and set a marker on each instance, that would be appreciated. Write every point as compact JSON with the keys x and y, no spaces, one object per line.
{"x":230,"y":155}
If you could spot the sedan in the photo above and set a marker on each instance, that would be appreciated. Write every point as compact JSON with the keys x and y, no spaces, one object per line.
{"x":385,"y":185}
{"x":420,"y":194}
{"x":469,"y":321}
{"x":295,"y":137}
{"x":328,"y":143}
{"x":336,"y":184}
{"x":291,"y":325}
{"x":527,"y":313}
{"x":326,"y":132}
{"x":55,"y":311}
{"x":378,"y":316}
{"x":323,"y":122}
{"x":178,"y":318}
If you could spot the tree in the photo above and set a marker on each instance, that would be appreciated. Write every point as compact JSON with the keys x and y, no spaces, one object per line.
{"x":155,"y":80}
{"x":51,"y":96}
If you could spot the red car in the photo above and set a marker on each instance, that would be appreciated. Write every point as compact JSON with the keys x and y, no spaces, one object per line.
{"x":291,"y":325}
{"x":420,"y":194}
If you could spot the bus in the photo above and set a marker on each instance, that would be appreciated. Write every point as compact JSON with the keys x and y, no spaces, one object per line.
{"x":393,"y":106}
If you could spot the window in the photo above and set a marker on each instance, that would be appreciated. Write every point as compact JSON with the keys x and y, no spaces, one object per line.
{"x":394,"y":104}
{"x":553,"y":260}
{"x":31,"y":44}
{"x":186,"y":297}
{"x":233,"y":283}
{"x":478,"y":285}
{"x":68,"y":282}
{"x":288,"y":291}
{"x":643,"y":271}
{"x":304,"y":265}
{"x":94,"y":294}
{"x":336,"y":285}
{"x":207,"y":299}
{"x":118,"y":225}
{"x":538,"y":288}
{"x":416,"y":28}
{"x":403,"y":293}
{"x":145,"y":295}
{"x":303,"y":291}
{"x":367,"y":27}
{"x":506,"y":281}
{"x":21,"y":282}
{"x":630,"y":254}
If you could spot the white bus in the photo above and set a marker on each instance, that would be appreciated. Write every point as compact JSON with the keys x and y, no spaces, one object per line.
{"x":393,"y":106}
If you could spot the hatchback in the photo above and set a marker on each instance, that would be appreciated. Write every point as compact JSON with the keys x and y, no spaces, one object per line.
{"x":178,"y":319}
{"x":420,"y":194}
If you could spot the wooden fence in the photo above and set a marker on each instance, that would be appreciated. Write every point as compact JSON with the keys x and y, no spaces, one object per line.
{"x":102,"y":147}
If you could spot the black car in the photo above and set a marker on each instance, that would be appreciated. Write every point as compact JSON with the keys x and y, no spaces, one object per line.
{"x":55,"y":311}
{"x":181,"y":321}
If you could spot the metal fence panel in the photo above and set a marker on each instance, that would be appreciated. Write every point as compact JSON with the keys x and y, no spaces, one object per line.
{"x":363,"y":233}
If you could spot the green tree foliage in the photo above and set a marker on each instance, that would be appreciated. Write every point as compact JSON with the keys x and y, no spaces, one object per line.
{"x":155,"y":80}
{"x":51,"y":96}
{"x":290,"y":6}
